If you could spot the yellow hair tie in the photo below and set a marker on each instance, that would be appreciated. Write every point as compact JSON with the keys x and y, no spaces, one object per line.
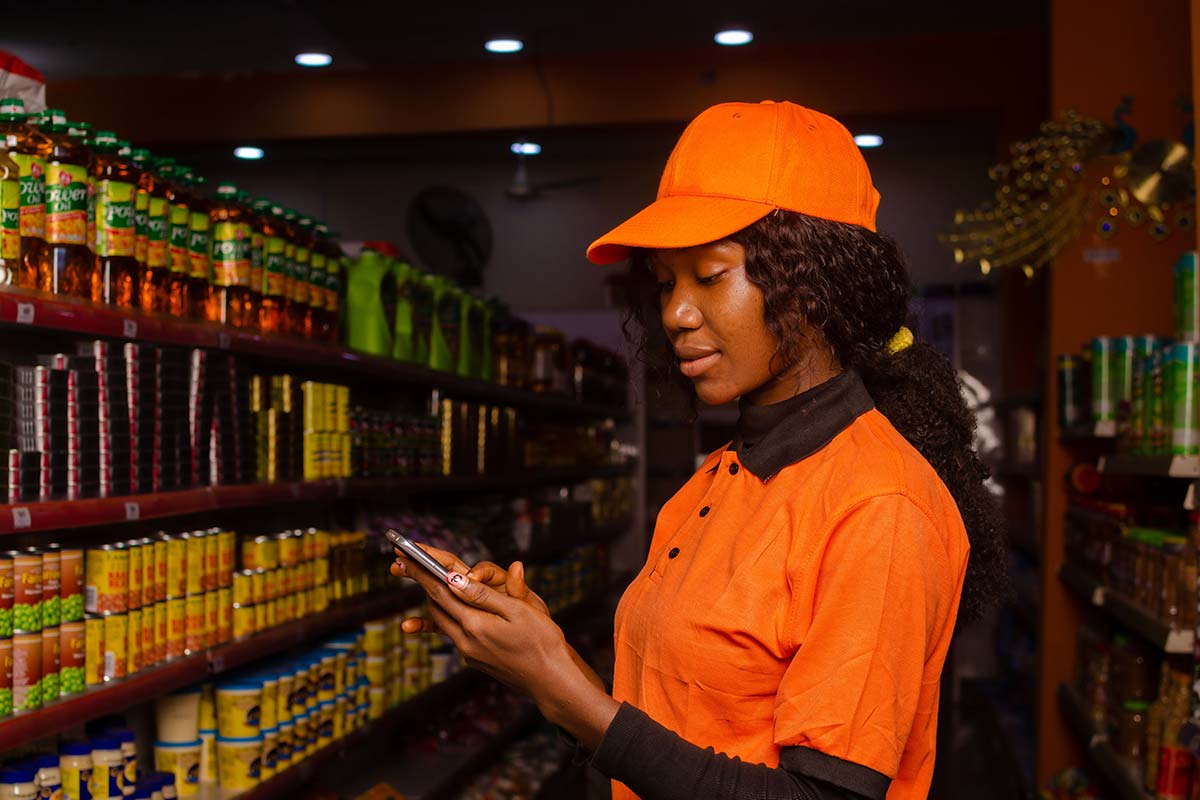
{"x":901,"y":341}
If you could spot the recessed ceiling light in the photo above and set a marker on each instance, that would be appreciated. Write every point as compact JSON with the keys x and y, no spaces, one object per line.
{"x":249,"y":153}
{"x":526,"y":148}
{"x":314,"y":59}
{"x":734,"y":37}
{"x":868,"y":140}
{"x":504,"y":45}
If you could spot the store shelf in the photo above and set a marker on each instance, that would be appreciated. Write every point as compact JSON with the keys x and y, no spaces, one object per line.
{"x":147,"y":684}
{"x":62,"y":514}
{"x":30,"y":311}
{"x":1086,"y":433}
{"x":448,"y":784}
{"x":1127,"y":613}
{"x":1100,"y":753}
{"x":1152,"y":466}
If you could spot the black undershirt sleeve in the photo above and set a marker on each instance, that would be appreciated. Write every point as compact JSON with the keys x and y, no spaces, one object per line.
{"x":658,"y":764}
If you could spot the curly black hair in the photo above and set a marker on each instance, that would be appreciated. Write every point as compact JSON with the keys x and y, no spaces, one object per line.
{"x":852,"y":285}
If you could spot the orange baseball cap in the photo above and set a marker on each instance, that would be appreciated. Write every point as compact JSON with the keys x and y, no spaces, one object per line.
{"x":738,"y":162}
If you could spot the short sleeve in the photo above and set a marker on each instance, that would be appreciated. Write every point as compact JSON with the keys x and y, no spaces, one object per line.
{"x":866,"y":622}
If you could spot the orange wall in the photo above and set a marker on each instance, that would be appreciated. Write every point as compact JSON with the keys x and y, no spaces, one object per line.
{"x":1001,"y":73}
{"x":1101,"y":50}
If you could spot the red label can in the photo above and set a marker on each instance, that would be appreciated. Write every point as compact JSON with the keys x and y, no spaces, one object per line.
{"x":1175,"y":768}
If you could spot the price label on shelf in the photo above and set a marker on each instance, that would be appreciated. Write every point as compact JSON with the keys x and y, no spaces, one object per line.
{"x":21,"y":518}
{"x":133,"y":511}
{"x":25,"y":313}
{"x":129,"y":328}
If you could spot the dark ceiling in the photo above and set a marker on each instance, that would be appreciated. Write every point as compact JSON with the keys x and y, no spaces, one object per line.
{"x":69,"y":39}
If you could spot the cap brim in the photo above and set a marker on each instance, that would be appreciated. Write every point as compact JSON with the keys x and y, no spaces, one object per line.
{"x":677,"y":221}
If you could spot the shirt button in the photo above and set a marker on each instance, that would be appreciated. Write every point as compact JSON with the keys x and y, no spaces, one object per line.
{"x":704,"y":511}
{"x":733,"y":469}
{"x":674,"y":552}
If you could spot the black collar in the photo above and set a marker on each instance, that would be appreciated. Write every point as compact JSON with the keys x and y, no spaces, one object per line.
{"x":774,"y":436}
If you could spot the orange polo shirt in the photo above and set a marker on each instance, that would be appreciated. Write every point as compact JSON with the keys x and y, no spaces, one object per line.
{"x":801,"y":612}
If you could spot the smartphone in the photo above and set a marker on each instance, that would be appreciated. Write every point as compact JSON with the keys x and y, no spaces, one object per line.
{"x":413,"y":551}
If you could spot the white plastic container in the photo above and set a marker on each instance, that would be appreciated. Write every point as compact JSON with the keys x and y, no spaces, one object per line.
{"x":177,"y":717}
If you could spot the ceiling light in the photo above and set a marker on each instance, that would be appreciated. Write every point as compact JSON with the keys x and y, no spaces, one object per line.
{"x":314,"y":59}
{"x":504,"y":45}
{"x":526,"y":148}
{"x":248,"y":153}
{"x":734,"y":37}
{"x":868,"y":140}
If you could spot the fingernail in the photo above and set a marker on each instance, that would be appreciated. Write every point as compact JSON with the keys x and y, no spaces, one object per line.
{"x":400,"y":564}
{"x":457,"y":580}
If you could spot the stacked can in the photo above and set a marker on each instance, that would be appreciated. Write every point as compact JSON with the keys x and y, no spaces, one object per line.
{"x":107,"y":362}
{"x":1181,"y":375}
{"x":274,"y":408}
{"x":107,"y":597}
{"x":326,"y":430}
{"x":72,"y":629}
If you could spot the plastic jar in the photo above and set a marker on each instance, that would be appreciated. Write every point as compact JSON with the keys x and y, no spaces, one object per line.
{"x":75,"y":770}
{"x":108,"y":769}
{"x":208,"y":757}
{"x":18,"y":783}
{"x":239,"y":762}
{"x":208,"y":707}
{"x":239,"y":709}
{"x":153,"y":782}
{"x":269,"y":710}
{"x":49,"y":775}
{"x":128,"y":754}
{"x":270,"y":753}
{"x":283,"y":748}
{"x":177,"y":716}
{"x":169,"y":791}
{"x":182,"y":760}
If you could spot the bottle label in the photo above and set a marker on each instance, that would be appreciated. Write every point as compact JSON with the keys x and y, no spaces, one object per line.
{"x":300,"y":276}
{"x":177,"y":238}
{"x":289,"y":269}
{"x":91,"y":214}
{"x":274,"y":264}
{"x":33,"y":194}
{"x":316,"y":280}
{"x":198,"y":245}
{"x":10,"y":220}
{"x":141,"y":225}
{"x":157,"y":233}
{"x":230,"y":255}
{"x":66,"y":204}
{"x":256,"y":261}
{"x":115,"y":222}
{"x":332,"y":284}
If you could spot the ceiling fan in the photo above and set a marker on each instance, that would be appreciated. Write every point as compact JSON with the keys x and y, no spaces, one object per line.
{"x":522,"y":188}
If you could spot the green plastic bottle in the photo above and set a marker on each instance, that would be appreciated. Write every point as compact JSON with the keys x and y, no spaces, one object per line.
{"x":370,"y":288}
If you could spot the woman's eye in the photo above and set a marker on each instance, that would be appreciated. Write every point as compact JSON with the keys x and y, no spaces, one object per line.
{"x":709,"y":280}
{"x":665,"y":286}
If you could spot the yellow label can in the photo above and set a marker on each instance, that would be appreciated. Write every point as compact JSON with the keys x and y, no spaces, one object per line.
{"x":136,"y":573}
{"x":227,"y":554}
{"x":176,"y":627}
{"x":116,"y":646}
{"x":161,"y":630}
{"x":212,"y":622}
{"x":107,"y":580}
{"x":194,"y":562}
{"x":260,"y":616}
{"x":258,"y":585}
{"x":224,"y":614}
{"x":93,"y":654}
{"x":176,"y":574}
{"x":134,"y":646}
{"x":160,"y":568}
{"x":289,"y":549}
{"x":244,"y":621}
{"x":212,"y":561}
{"x":194,"y":633}
{"x":243,"y":587}
{"x":150,"y":655}
{"x":301,"y":604}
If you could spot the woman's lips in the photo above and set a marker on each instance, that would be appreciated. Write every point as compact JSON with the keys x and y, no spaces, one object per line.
{"x":695,"y":367}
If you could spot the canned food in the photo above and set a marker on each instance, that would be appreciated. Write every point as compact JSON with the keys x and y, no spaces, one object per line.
{"x":211,"y":621}
{"x":243,"y":587}
{"x":212,"y":561}
{"x":161,"y":549}
{"x":194,"y":562}
{"x":300,"y":603}
{"x":27,"y":671}
{"x":244,"y":621}
{"x":287,"y":608}
{"x":1181,"y":380}
{"x":258,"y":585}
{"x":260,"y":616}
{"x":71,"y":569}
{"x":149,"y":571}
{"x":27,"y":591}
{"x":162,"y":630}
{"x":106,"y":590}
{"x":133,"y":647}
{"x":6,"y":595}
{"x":6,"y":677}
{"x":116,"y":646}
{"x":1104,"y":406}
{"x":289,"y":549}
{"x":176,"y":565}
{"x":176,"y":627}
{"x":94,"y":648}
{"x":308,"y":545}
{"x":227,"y":550}
{"x":150,"y":654}
{"x":51,"y":586}
{"x":136,"y":574}
{"x":196,"y":638}
{"x":224,"y":614}
{"x":1187,"y":291}
{"x":72,"y":640}
{"x":51,"y":647}
{"x":270,"y":584}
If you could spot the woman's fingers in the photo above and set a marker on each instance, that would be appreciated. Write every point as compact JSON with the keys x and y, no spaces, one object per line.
{"x":419,"y":625}
{"x":514,"y":582}
{"x":480,"y":595}
{"x":486,"y":572}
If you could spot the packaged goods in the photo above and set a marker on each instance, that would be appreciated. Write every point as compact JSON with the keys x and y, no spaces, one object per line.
{"x":177,"y":716}
{"x":25,"y":146}
{"x":239,"y":762}
{"x":208,"y":757}
{"x":239,"y":709}
{"x":75,"y":764}
{"x":108,"y":769}
{"x":19,"y":782}
{"x":230,"y":237}
{"x":181,"y":760}
{"x":66,"y":265}
{"x":116,"y":277}
{"x":49,"y":775}
{"x":152,"y":197}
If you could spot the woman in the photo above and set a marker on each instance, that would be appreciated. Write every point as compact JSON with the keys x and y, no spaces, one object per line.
{"x":802,"y":588}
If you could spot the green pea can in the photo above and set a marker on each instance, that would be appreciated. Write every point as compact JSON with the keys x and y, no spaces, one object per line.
{"x":71,"y":569}
{"x":6,"y":677}
{"x":51,"y":586}
{"x":27,"y":671}
{"x":72,"y":639}
{"x":1104,"y":407}
{"x":6,"y":595}
{"x":27,"y":591}
{"x":51,"y":648}
{"x":1187,"y":293}
{"x":1185,"y":427}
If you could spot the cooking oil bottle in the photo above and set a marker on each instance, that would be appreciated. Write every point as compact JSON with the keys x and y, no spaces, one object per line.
{"x":179,"y":203}
{"x":140,"y":159}
{"x":200,"y":271}
{"x":156,"y":268}
{"x":10,"y":220}
{"x":287,"y":228}
{"x":254,"y":309}
{"x":271,"y":316}
{"x":21,"y":143}
{"x":298,"y":299}
{"x":230,"y":258}
{"x":116,"y":276}
{"x":67,"y":264}
{"x":326,"y":322}
{"x":304,"y":295}
{"x":316,"y":284}
{"x":82,"y":131}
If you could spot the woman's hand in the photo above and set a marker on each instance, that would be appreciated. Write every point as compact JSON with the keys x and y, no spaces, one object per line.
{"x":517,"y":643}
